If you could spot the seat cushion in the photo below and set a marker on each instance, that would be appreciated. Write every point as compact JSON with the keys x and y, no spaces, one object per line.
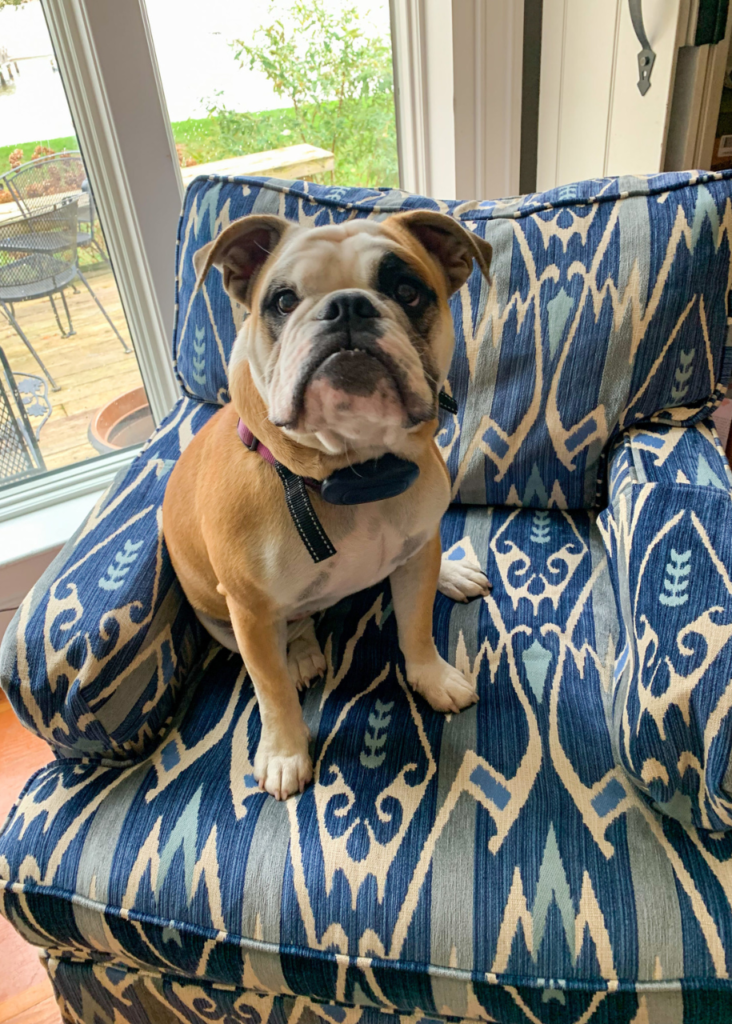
{"x":486,"y":865}
{"x":607,"y":304}
{"x":88,"y":991}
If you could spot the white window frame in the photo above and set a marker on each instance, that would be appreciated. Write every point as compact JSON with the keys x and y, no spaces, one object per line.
{"x":458,"y":98}
{"x":458,"y":82}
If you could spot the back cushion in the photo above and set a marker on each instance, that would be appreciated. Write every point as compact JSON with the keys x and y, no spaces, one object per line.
{"x":607,"y":305}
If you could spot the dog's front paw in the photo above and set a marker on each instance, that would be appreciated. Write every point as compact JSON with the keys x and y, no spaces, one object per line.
{"x":462,"y":580}
{"x":442,"y":686}
{"x":283,"y":766}
{"x":305,"y":661}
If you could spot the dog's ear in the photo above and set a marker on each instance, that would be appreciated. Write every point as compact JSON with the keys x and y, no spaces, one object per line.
{"x":452,"y":245}
{"x":240,"y":252}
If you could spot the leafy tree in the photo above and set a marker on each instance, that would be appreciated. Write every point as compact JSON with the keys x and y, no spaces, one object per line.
{"x":339,"y":82}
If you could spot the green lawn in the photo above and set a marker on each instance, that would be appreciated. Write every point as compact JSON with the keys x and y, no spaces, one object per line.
{"x":58,"y":145}
{"x":366,"y":153}
{"x":201,"y":139}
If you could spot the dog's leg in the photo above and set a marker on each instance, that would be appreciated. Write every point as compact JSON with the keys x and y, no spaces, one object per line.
{"x":220,"y":631}
{"x":413,"y":589}
{"x":463,"y":580}
{"x":305,"y":659}
{"x":282,"y":763}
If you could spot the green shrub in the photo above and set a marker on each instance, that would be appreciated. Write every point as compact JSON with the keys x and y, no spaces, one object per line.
{"x":339,"y":82}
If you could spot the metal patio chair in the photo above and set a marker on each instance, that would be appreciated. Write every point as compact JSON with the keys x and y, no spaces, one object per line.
{"x":20,"y":454}
{"x":38,"y":259}
{"x":33,"y":392}
{"x":39,"y":184}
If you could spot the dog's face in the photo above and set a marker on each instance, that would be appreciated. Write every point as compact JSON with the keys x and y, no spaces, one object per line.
{"x":349,"y":336}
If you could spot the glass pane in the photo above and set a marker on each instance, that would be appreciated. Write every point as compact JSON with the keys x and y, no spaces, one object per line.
{"x":70,"y":386}
{"x":292,"y":89}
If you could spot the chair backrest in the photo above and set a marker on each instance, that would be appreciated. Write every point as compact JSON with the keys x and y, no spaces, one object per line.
{"x":38,"y":248}
{"x":33,"y":393}
{"x":20,"y":455}
{"x":607,"y":305}
{"x":38,"y":184}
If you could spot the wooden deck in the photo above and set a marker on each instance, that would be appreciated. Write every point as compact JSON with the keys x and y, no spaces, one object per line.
{"x":90,"y":366}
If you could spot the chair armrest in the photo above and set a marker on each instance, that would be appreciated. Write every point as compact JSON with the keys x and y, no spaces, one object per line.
{"x":668,"y":535}
{"x":97,"y":653}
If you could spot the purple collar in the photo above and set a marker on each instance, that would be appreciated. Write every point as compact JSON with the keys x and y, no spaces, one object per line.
{"x":255,"y":445}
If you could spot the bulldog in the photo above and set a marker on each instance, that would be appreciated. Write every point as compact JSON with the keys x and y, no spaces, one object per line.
{"x":334,"y":376}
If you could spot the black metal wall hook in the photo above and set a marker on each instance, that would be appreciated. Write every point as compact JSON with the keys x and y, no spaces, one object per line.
{"x":646,"y":56}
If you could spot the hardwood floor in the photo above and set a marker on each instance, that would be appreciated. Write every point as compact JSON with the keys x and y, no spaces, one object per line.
{"x":26,"y":996}
{"x":91,"y":366}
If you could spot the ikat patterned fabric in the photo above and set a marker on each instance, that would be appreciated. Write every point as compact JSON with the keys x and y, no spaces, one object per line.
{"x":559,"y":853}
{"x":496,"y":865}
{"x":106,"y":639}
{"x":668,"y":530}
{"x":608,"y":304}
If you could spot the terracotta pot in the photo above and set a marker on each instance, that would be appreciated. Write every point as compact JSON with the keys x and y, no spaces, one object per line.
{"x":121,"y":423}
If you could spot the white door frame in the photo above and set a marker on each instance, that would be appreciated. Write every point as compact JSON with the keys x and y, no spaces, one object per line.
{"x":458,"y":81}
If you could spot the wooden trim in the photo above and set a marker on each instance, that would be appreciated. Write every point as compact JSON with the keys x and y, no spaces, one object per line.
{"x":593,"y":120}
{"x":407,"y":43}
{"x":16,"y":578}
{"x":696,"y":97}
{"x":487,"y":48}
{"x":458,"y":75}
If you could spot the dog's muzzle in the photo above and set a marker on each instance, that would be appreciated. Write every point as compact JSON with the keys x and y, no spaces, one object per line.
{"x":346,"y":354}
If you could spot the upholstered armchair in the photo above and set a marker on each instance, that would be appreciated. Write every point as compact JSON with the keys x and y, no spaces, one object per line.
{"x":561,"y":851}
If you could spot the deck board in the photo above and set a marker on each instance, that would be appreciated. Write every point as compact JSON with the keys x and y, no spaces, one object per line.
{"x":91,"y":366}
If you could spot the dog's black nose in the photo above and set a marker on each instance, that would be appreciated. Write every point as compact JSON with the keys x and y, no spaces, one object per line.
{"x":349,"y":308}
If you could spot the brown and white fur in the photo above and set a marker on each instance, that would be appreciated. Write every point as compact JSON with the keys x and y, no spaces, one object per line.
{"x":347,"y":343}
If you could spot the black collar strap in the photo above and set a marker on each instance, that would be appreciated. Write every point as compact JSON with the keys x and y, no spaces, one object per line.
{"x":304,"y":516}
{"x":447,"y":402}
{"x":373,"y":480}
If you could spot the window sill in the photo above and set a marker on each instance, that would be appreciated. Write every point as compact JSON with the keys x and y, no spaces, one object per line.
{"x":45,"y":528}
{"x":43,"y":513}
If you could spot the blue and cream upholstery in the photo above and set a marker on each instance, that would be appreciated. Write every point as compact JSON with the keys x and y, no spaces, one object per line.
{"x":561,"y":852}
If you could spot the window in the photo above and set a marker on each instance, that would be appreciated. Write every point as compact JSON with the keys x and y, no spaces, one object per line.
{"x":124,"y":64}
{"x":291,"y":88}
{"x":70,"y":385}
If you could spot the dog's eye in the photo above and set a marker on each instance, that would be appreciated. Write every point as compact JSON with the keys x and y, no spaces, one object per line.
{"x":286,"y":301}
{"x":407,"y":293}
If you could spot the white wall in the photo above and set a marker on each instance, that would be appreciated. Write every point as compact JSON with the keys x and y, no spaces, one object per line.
{"x":593,"y":121}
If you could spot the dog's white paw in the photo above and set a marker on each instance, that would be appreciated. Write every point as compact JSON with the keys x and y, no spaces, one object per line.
{"x":283,"y":767}
{"x":305,"y":661}
{"x":462,"y":580}
{"x":442,"y":686}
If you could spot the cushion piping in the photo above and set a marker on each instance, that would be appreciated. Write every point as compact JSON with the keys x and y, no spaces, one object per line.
{"x":703,"y":177}
{"x":306,"y":953}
